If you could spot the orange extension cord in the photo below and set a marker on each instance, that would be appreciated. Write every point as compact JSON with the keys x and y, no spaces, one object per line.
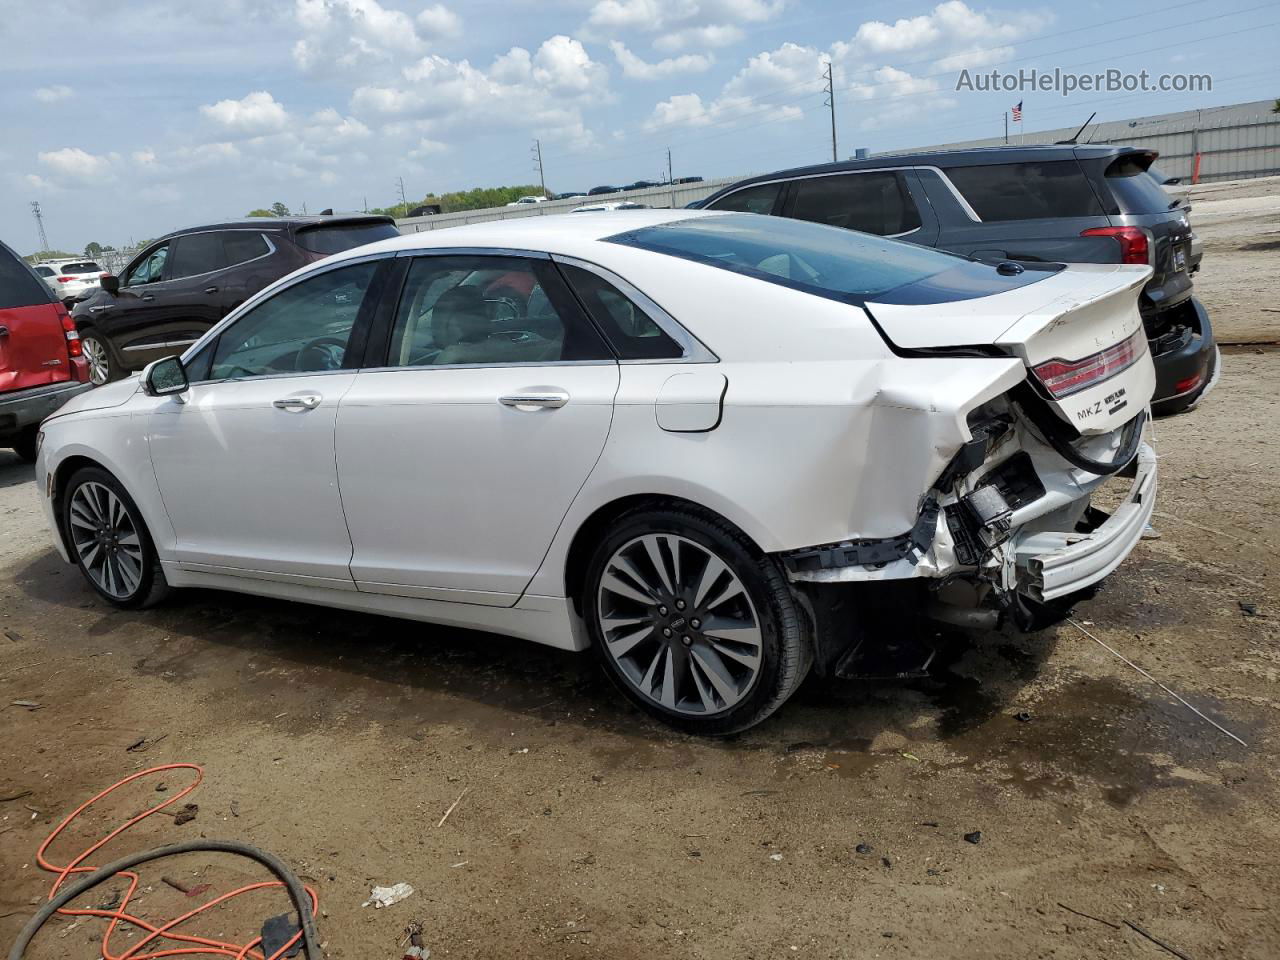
{"x":155,"y":935}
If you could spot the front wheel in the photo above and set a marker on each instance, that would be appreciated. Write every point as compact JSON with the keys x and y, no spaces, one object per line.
{"x":692,"y":624}
{"x":110,"y":542}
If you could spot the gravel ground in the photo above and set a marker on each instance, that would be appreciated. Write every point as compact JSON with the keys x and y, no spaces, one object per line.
{"x":339,"y":741}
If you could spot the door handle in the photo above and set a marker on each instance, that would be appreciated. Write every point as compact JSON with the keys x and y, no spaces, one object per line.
{"x":298,"y":404}
{"x":147,"y":297}
{"x":210,"y":289}
{"x":552,"y":399}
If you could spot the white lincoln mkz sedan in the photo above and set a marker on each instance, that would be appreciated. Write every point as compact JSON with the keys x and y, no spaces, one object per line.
{"x":699,"y":443}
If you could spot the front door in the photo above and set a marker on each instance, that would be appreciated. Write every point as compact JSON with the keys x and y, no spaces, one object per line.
{"x":245,"y":458}
{"x":459,"y":459}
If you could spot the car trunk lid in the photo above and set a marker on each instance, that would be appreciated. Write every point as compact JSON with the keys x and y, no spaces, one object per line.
{"x":1078,"y":331}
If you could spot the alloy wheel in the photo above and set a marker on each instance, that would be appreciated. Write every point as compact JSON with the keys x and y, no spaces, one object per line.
{"x":106,"y":540}
{"x":95,"y":352}
{"x":679,"y":625}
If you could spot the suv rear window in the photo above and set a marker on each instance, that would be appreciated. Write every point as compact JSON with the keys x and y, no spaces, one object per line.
{"x":88,"y":266}
{"x":1026,"y":191}
{"x":343,"y":236}
{"x":828,"y":261}
{"x":19,"y":286}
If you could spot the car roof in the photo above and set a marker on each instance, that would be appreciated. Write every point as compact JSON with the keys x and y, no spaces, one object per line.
{"x":278,"y":224}
{"x":961,"y":157}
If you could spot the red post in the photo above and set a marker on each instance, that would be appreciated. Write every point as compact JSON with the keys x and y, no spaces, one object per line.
{"x":1195,"y":172}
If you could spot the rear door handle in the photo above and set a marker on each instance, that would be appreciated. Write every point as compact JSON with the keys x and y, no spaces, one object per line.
{"x":210,"y":289}
{"x":147,"y":297}
{"x":299,"y":404}
{"x":552,"y":399}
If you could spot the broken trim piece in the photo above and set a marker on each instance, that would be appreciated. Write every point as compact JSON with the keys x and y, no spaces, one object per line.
{"x":910,"y":546}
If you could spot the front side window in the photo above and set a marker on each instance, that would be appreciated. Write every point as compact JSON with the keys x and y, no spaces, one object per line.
{"x":1026,"y":191}
{"x":149,"y":269}
{"x":197,"y":253}
{"x":757,"y":199}
{"x":305,"y":328}
{"x":488,"y":310}
{"x":633,"y":334}
{"x":876,"y":203}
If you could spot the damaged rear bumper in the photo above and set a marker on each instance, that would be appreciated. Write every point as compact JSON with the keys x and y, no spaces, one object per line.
{"x":1055,"y":564}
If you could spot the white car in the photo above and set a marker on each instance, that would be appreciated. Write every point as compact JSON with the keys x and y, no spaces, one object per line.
{"x":526,"y":200}
{"x":699,"y":443}
{"x":69,"y":279}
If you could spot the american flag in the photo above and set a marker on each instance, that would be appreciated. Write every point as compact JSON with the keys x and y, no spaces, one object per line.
{"x":1017,"y":112}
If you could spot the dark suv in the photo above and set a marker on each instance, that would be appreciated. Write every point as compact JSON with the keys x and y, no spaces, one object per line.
{"x":1063,"y":203}
{"x":185,"y":282}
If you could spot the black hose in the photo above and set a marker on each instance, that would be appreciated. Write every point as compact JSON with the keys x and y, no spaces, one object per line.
{"x":301,"y":902}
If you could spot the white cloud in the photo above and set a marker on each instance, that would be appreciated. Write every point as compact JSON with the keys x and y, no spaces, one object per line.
{"x":890,"y":82}
{"x":638,"y":69}
{"x":328,"y":124}
{"x":716,"y":35}
{"x":953,"y":26}
{"x":256,"y":113}
{"x":76,"y":163}
{"x":349,"y":34}
{"x":680,"y":24}
{"x":54,"y":93}
{"x":438,"y":20}
{"x":427,"y":147}
{"x":37,"y":182}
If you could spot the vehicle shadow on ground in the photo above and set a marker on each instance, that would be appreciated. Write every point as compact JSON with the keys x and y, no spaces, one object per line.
{"x":14,"y":471}
{"x":384,"y":660}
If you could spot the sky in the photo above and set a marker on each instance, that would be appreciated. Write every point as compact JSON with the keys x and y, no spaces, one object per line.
{"x":131,"y":119}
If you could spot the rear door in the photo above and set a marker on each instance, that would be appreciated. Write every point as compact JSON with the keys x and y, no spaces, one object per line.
{"x":196,"y":273}
{"x":33,"y":344}
{"x":460,"y":457}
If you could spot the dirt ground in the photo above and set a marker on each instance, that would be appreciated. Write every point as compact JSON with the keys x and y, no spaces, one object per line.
{"x":339,"y":741}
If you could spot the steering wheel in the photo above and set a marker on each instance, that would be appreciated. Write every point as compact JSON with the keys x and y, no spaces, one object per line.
{"x":322,"y":353}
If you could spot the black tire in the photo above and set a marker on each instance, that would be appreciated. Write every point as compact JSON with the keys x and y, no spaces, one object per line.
{"x":91,"y":340}
{"x":786,"y":641}
{"x":24,"y":444}
{"x":151,"y":587}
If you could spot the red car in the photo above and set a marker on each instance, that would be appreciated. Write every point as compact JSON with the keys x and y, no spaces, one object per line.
{"x":41,"y":361}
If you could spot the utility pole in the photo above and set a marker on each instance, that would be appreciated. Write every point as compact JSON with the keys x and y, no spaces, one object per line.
{"x":403,"y":201}
{"x":366,"y":203}
{"x":35,"y":212}
{"x":1006,"y":127}
{"x":831,"y":102}
{"x":670,"y":178}
{"x":537,"y":164}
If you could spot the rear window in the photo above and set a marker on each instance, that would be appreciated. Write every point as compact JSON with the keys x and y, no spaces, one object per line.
{"x":876,"y":203}
{"x":1134,"y":187}
{"x":196,"y":253}
{"x":343,"y":236}
{"x":1026,"y":191}
{"x":87,"y":266}
{"x":828,"y":261}
{"x":19,"y":286}
{"x":242,"y":246}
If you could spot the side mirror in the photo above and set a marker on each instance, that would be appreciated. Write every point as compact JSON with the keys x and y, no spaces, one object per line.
{"x":162,"y":378}
{"x":110,"y":283}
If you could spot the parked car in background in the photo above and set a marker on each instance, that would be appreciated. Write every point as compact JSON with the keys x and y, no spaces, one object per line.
{"x":172,"y":292}
{"x":679,"y":180}
{"x":71,"y":279}
{"x":609,"y":205}
{"x":41,"y":364}
{"x":642,"y":185}
{"x":569,"y":194}
{"x":1063,"y":203}
{"x":527,"y":200}
{"x":597,"y":191}
{"x":716,"y":448}
{"x":425,"y":210}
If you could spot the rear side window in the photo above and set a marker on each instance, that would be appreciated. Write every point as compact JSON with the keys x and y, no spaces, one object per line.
{"x":757,"y":199}
{"x":1027,"y":191}
{"x":343,"y":236}
{"x":46,"y":271}
{"x":197,"y":253}
{"x":19,"y":286}
{"x":876,"y":203}
{"x":241,"y":246}
{"x":633,"y":334}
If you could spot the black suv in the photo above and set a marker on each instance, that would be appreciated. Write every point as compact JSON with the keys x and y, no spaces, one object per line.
{"x":1063,"y":203}
{"x":188,"y":280}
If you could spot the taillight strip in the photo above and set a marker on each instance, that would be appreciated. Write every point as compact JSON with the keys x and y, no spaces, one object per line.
{"x":1065,"y":377}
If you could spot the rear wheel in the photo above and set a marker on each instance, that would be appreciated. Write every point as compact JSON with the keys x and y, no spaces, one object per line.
{"x":692,"y":624}
{"x":103,"y":366}
{"x":110,"y":542}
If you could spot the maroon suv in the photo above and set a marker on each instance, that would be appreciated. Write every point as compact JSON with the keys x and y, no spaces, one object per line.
{"x":41,"y":361}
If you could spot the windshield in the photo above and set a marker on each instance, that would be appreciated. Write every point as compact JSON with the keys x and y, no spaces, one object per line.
{"x":832,"y":262}
{"x":343,"y":236}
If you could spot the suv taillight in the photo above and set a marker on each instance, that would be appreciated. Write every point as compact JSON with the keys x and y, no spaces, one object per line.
{"x":1065,"y":377}
{"x":74,"y":347}
{"x":65,"y":279}
{"x":1135,"y":242}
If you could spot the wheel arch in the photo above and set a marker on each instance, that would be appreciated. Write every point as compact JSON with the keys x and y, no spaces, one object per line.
{"x":593,"y":528}
{"x":61,"y":477}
